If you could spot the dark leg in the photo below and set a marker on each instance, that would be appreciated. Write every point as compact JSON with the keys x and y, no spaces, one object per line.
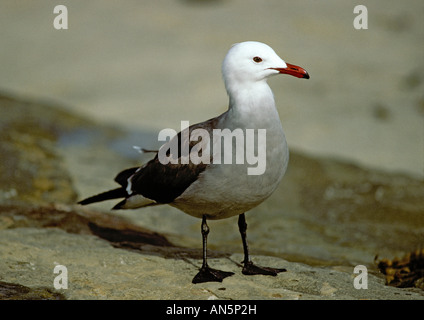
{"x":207,"y":274}
{"x":249,"y":268}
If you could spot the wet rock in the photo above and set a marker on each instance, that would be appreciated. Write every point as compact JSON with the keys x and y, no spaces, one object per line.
{"x":36,"y":140}
{"x":31,"y":169}
{"x":11,"y":291}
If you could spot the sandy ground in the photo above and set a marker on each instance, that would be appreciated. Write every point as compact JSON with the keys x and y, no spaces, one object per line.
{"x":150,"y":65}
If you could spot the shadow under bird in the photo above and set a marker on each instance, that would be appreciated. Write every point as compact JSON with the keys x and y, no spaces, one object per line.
{"x":219,"y":190}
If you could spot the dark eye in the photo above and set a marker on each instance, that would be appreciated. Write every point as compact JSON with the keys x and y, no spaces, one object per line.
{"x":257,"y":59}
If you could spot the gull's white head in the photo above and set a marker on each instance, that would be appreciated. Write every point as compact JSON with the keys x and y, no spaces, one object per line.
{"x":251,"y":61}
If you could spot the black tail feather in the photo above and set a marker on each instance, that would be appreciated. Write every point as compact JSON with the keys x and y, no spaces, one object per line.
{"x":108,"y":195}
{"x":119,"y":205}
{"x":122,"y":177}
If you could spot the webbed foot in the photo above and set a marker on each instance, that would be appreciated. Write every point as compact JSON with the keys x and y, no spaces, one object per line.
{"x":251,"y":269}
{"x":207,"y":274}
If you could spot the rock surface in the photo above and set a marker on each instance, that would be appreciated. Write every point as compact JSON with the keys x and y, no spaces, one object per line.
{"x":325,"y":218}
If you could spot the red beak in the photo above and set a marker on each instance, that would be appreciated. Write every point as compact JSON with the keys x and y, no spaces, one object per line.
{"x":293,"y":70}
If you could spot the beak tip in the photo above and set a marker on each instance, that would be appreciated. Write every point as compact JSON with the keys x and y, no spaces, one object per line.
{"x":293,"y":70}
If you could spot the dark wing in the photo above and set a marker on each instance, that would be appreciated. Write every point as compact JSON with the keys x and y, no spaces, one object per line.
{"x":164,"y":183}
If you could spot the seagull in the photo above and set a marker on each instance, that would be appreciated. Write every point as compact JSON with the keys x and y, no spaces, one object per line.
{"x":212,"y":190}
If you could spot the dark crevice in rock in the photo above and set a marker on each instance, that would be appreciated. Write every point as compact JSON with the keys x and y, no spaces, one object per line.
{"x":13,"y":291}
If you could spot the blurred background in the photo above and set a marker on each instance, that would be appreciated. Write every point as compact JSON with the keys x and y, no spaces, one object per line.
{"x":74,"y":102}
{"x":147,"y":65}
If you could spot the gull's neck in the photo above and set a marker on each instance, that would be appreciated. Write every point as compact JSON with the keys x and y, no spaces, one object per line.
{"x":252,"y":105}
